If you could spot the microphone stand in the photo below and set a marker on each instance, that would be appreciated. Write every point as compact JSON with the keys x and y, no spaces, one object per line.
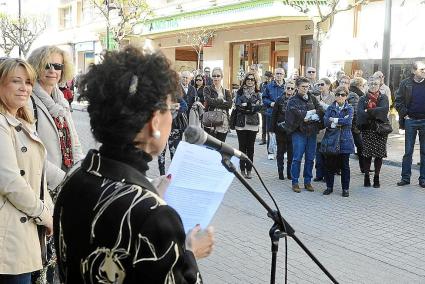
{"x":280,"y":227}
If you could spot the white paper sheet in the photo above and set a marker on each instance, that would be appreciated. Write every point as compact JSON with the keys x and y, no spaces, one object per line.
{"x":199,"y":182}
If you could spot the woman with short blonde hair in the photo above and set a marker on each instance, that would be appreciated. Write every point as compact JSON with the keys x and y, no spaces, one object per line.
{"x":25,"y":201}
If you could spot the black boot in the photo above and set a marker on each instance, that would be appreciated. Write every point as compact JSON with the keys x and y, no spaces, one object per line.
{"x":345,"y":193}
{"x":366,"y":180}
{"x":281,"y":176}
{"x":376,"y":183}
{"x":328,"y":191}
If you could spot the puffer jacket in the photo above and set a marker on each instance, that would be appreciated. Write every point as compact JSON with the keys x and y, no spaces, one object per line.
{"x":22,"y":161}
{"x":296,"y":110}
{"x":345,"y":119}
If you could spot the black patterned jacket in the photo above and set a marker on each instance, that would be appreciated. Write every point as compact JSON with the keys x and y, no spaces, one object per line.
{"x":111,"y":226}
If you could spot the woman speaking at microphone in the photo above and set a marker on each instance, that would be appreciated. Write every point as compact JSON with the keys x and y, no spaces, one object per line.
{"x":112,"y":225}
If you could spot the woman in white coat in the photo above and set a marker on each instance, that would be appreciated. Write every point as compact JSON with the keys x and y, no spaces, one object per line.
{"x":54,"y":125}
{"x":22,"y":187}
{"x":52,"y":112}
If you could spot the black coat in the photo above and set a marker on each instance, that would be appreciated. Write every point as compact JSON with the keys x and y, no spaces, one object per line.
{"x":189,"y":97}
{"x":366,"y":120}
{"x":110,"y":224}
{"x":296,"y":110}
{"x":249,"y":113}
{"x":278,"y":114}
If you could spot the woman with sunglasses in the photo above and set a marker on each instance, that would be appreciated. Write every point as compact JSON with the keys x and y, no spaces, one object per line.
{"x":372,"y":109}
{"x":199,"y":86}
{"x":54,"y":122}
{"x":278,"y":126}
{"x":325,"y":98}
{"x":219,"y":99}
{"x":339,"y":115}
{"x":111,"y":223}
{"x":248,"y":104}
{"x":176,"y":135}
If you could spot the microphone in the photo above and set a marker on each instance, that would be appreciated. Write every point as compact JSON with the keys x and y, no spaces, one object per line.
{"x":196,"y":135}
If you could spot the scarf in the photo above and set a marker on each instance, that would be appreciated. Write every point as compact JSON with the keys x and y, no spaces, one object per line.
{"x":373,"y":99}
{"x":248,"y":91}
{"x":55,"y":104}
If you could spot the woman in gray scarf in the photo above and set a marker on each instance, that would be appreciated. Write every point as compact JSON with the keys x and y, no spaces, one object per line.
{"x":53,"y":120}
{"x":248,"y":104}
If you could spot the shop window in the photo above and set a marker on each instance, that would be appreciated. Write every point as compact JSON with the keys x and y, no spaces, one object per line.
{"x":65,"y":17}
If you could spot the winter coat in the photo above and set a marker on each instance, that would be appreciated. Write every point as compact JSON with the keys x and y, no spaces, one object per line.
{"x":325,"y":103}
{"x":296,"y":110}
{"x":49,"y":134}
{"x":111,"y":225}
{"x":189,"y":97}
{"x":22,"y":161}
{"x":402,"y":99}
{"x":272,"y":92}
{"x":278,"y":115}
{"x":247,"y":114}
{"x":366,"y":120}
{"x":212,"y":102}
{"x":353,"y":99}
{"x":345,"y":119}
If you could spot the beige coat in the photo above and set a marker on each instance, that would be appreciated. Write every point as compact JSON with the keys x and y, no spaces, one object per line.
{"x":22,"y":160}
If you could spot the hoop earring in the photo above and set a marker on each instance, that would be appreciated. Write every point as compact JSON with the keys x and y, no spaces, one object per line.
{"x":156,"y":134}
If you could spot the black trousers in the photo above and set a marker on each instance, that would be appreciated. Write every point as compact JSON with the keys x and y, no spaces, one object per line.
{"x":246,"y":139}
{"x":219,"y":135}
{"x":284,"y":145}
{"x":359,"y":146}
{"x":176,"y":135}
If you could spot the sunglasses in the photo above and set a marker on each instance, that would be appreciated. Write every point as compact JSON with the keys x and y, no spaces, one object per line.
{"x":279,"y":73}
{"x":321,"y":84}
{"x":56,"y":66}
{"x":311,"y":71}
{"x":198,"y":80}
{"x":340,"y":95}
{"x":216,"y":76}
{"x":289,"y":88}
{"x":250,"y":79}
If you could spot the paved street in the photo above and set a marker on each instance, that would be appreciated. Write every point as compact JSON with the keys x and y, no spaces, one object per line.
{"x":374,"y":236}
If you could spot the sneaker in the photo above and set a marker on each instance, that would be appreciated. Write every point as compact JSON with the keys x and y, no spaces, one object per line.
{"x":308,"y":187}
{"x":296,"y":188}
{"x":403,"y":183}
{"x":270,"y":157}
{"x":422,"y":184}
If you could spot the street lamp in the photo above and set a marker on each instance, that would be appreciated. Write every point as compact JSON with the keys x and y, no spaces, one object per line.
{"x":20,"y":28}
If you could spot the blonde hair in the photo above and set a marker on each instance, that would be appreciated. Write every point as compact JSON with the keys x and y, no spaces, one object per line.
{"x":7,"y":68}
{"x":40,"y":57}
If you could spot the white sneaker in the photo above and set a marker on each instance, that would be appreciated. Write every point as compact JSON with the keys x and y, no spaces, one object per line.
{"x":270,"y":157}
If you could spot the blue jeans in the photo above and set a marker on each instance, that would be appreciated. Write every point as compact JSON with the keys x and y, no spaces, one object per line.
{"x":333,"y":163}
{"x":320,"y":163}
{"x":303,"y":144}
{"x":413,"y":126}
{"x":15,"y":279}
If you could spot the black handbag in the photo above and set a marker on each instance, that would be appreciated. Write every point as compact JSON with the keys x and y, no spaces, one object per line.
{"x":213,"y":118}
{"x":383,"y":128}
{"x":330,"y":144}
{"x":42,"y":236}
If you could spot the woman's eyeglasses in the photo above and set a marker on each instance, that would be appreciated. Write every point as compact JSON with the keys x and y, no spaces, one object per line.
{"x":340,"y":95}
{"x":56,"y":66}
{"x":173,"y":108}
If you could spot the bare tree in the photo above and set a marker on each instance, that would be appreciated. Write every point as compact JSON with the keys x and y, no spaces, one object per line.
{"x":197,"y":39}
{"x":326,"y":11}
{"x":129,"y":13}
{"x":6,"y":44}
{"x":20,"y":33}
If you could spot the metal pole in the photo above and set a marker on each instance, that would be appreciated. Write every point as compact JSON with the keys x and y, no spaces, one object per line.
{"x":20,"y":28}
{"x":386,"y":50}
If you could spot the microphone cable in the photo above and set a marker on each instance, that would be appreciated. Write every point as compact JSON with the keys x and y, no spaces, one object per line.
{"x":278,"y":213}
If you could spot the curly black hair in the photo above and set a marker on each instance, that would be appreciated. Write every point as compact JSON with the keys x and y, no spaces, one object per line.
{"x":116,"y":113}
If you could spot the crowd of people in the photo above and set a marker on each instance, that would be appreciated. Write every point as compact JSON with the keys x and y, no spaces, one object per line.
{"x":109,"y":220}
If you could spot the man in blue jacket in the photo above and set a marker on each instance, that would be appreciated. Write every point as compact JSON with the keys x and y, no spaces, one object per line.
{"x":410,"y":104}
{"x":271,"y":93}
